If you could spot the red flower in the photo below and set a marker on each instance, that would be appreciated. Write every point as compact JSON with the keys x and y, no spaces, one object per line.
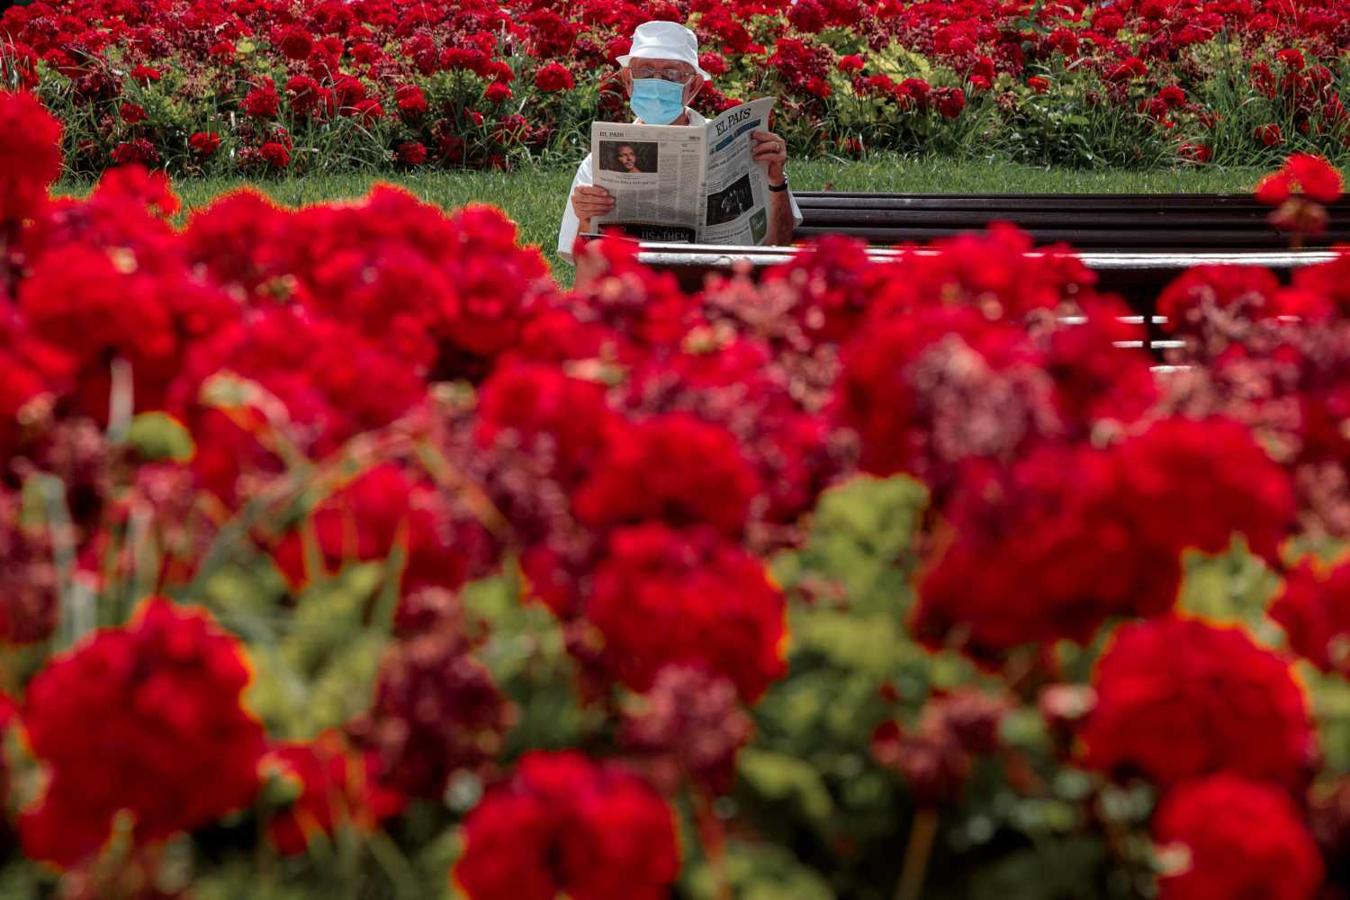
{"x":557,"y":418}
{"x":497,"y":92}
{"x":294,"y":42}
{"x":1315,"y":178}
{"x":204,"y":143}
{"x":147,"y":719}
{"x":1205,"y":293}
{"x":1194,"y":484}
{"x":1269,"y":135}
{"x":410,"y":153}
{"x":674,"y":468}
{"x":275,"y":154}
{"x":307,"y":98}
{"x":1235,"y":838}
{"x":932,"y":389}
{"x":384,"y":509}
{"x":1173,"y":95}
{"x":1180,"y":484}
{"x":553,"y":77}
{"x":1038,"y":84}
{"x":950,"y":101}
{"x":664,"y":597}
{"x":690,"y":725}
{"x":138,"y":152}
{"x":131,"y":113}
{"x":332,"y":381}
{"x":367,"y":109}
{"x":145,"y":76}
{"x":30,"y":154}
{"x":1179,"y":699}
{"x":436,"y":711}
{"x":1130,"y":68}
{"x":263,"y":101}
{"x":410,"y":100}
{"x":1196,"y":153}
{"x":29,"y":583}
{"x":336,"y":787}
{"x":1305,"y":174}
{"x":851,"y":63}
{"x":1314,"y":610}
{"x":713,"y":63}
{"x":565,"y":825}
{"x":1292,"y":59}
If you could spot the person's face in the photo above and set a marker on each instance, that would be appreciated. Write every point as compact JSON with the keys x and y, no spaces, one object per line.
{"x":668,"y":69}
{"x":627,"y":157}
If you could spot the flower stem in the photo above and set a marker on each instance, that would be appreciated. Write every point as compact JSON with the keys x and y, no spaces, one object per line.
{"x":712,"y":835}
{"x":917,"y":852}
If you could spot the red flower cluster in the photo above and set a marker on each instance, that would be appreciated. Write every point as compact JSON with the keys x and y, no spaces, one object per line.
{"x":1223,"y":836}
{"x":1179,"y":699}
{"x":1313,"y":608}
{"x":1018,"y":570}
{"x":674,"y":468}
{"x":1273,"y":358}
{"x":436,"y":711}
{"x":30,"y":155}
{"x":1305,"y":174}
{"x":565,"y":825}
{"x":1298,"y":190}
{"x":689,"y":725}
{"x":145,"y":719}
{"x":661,"y":597}
{"x":335,"y":787}
{"x":247,"y":71}
{"x":384,"y":509}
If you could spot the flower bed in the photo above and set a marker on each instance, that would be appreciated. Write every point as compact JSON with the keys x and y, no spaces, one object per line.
{"x":344,"y":550}
{"x":320,"y":84}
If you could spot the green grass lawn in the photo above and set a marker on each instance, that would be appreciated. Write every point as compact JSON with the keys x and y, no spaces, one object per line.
{"x":534,"y":197}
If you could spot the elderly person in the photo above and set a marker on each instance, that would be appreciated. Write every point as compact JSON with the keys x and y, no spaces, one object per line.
{"x":661,"y":76}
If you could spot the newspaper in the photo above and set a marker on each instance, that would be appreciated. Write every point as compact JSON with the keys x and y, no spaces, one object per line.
{"x":686,"y":183}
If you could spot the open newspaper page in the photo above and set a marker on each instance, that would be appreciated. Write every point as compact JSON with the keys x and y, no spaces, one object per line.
{"x":736,"y":188}
{"x":655,"y":173}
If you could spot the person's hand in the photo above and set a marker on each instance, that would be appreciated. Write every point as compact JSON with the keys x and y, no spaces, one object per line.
{"x":769,"y":148}
{"x":589,"y":201}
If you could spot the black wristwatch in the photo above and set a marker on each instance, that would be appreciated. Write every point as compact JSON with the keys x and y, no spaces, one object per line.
{"x":779,"y":188}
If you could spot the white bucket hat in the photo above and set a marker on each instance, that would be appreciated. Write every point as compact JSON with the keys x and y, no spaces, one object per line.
{"x":664,"y":40}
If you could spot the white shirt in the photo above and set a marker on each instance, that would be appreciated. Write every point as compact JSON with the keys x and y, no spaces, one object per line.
{"x":567,"y":232}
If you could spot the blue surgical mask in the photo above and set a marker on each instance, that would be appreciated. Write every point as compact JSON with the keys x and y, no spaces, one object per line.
{"x":657,"y":101}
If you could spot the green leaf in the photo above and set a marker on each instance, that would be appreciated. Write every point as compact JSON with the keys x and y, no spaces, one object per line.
{"x":1232,"y":588}
{"x":785,"y":779}
{"x":759,"y":872}
{"x":158,"y":436}
{"x":1056,"y":870}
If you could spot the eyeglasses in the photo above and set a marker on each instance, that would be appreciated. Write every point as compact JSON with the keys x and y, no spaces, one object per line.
{"x":669,"y":73}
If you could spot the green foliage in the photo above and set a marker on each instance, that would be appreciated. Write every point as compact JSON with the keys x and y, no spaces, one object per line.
{"x":158,"y":436}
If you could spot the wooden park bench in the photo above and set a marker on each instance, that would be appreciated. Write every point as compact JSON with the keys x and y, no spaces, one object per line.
{"x":1177,"y":223}
{"x":1136,"y":243}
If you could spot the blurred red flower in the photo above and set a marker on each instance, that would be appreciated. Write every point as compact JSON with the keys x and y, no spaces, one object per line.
{"x":30,"y":154}
{"x":1313,"y":608}
{"x":664,"y":597}
{"x":147,"y":719}
{"x":1223,"y":836}
{"x":1179,"y":699}
{"x":563,"y":824}
{"x":335,"y":787}
{"x":673,"y":468}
